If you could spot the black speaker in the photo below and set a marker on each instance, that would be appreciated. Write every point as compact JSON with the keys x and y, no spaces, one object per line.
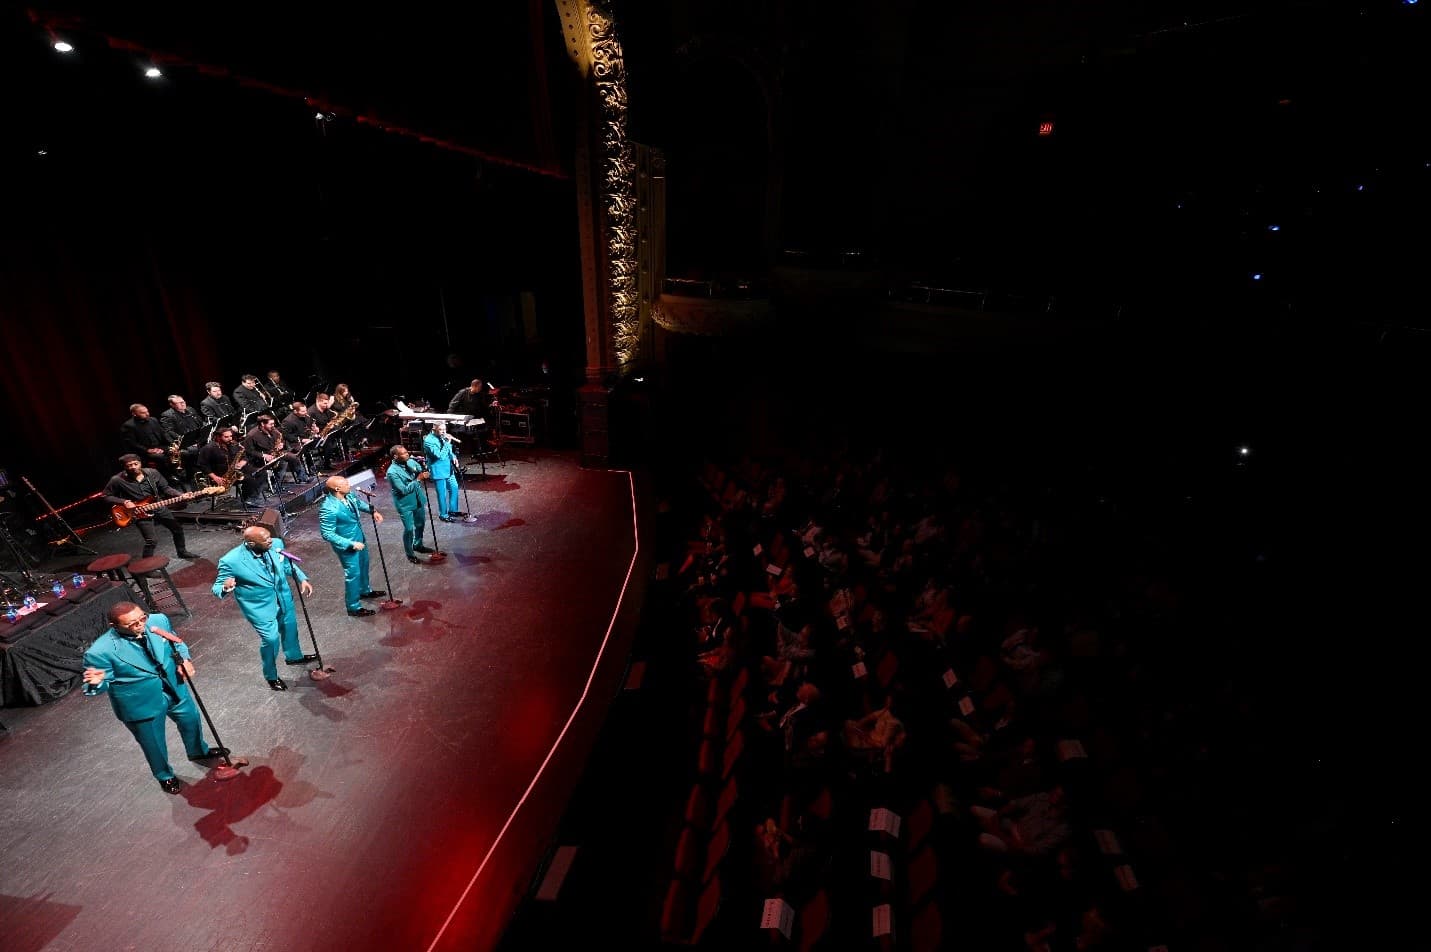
{"x":270,"y":520}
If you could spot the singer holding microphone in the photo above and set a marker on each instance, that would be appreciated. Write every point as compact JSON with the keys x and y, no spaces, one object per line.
{"x":341,"y":525}
{"x":132,"y":661}
{"x":437,"y":444}
{"x":256,"y":573}
{"x":405,"y":477}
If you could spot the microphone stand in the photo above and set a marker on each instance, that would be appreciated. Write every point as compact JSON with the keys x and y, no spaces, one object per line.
{"x":22,"y":560}
{"x":226,"y":770}
{"x":321,"y":672}
{"x":391,"y":602}
{"x":71,"y":537}
{"x":437,"y":555}
{"x":471,"y":518}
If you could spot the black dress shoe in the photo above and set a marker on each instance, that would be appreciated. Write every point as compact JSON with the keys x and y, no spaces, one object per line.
{"x":415,"y":560}
{"x":444,"y":518}
{"x":303,"y":660}
{"x":375,"y":593}
{"x":362,"y":612}
{"x":421,"y":548}
{"x":172,"y":785}
{"x":188,"y":555}
{"x":213,"y":752}
{"x":458,"y":515}
{"x":277,"y":684}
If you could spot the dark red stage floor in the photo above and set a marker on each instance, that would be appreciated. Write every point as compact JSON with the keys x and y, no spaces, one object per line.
{"x":372,"y":799}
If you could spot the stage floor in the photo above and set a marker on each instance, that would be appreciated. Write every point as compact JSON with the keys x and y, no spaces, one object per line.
{"x":370,"y":799}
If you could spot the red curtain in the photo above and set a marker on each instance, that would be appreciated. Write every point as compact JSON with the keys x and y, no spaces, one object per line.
{"x":90,"y":325}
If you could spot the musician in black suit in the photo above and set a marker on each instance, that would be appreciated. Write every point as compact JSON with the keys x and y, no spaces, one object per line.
{"x":137,"y":483}
{"x":179,"y":421}
{"x":216,"y":406}
{"x":144,"y":437}
{"x":278,"y":392}
{"x":297,"y":427}
{"x":262,"y":441}
{"x":247,"y":397}
{"x":222,"y":453}
{"x":475,"y":401}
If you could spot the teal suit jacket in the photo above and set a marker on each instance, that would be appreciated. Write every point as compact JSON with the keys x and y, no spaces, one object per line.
{"x":439,"y":455}
{"x":130,"y":678}
{"x":407,"y":489}
{"x":339,"y":524}
{"x":256,"y":584}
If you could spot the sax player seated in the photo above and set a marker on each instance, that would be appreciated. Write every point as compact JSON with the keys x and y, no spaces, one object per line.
{"x":266,"y":442}
{"x":222,"y":461}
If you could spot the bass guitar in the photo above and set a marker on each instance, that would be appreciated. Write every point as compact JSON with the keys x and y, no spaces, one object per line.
{"x":123,"y":515}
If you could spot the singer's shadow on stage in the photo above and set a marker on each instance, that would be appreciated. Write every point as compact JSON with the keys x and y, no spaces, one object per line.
{"x":496,"y":519}
{"x":231,"y":801}
{"x":417,"y":622}
{"x":493,"y":483}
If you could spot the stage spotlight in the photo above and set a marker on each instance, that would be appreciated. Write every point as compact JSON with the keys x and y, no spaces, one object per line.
{"x":1244,"y":451}
{"x":1274,"y":227}
{"x":1257,"y":275}
{"x":317,"y":115}
{"x":62,"y":47}
{"x":43,"y":152}
{"x":153,"y":72}
{"x":1361,"y":188}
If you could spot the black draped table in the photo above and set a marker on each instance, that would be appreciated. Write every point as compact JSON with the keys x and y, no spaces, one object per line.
{"x":42,"y":657}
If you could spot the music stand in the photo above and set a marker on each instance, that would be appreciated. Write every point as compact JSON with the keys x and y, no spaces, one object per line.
{"x":190,"y":441}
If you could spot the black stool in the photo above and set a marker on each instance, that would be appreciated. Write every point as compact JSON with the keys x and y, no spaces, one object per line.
{"x":155,"y":585}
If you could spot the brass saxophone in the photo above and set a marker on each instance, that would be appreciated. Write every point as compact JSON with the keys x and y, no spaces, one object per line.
{"x":176,"y":460}
{"x":233,"y":470}
{"x":350,"y":411}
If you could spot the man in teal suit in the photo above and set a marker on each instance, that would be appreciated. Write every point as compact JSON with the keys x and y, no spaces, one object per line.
{"x":256,"y":574}
{"x":340,"y":521}
{"x":134,"y":662}
{"x":440,"y":462}
{"x":405,"y":477}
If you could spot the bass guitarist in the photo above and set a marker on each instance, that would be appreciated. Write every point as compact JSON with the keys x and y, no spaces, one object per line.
{"x":137,"y":484}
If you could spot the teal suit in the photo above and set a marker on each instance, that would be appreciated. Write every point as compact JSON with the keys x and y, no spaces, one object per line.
{"x":441,"y":463}
{"x":340,"y":523}
{"x":410,"y":501}
{"x":266,"y":599}
{"x":142,"y":694}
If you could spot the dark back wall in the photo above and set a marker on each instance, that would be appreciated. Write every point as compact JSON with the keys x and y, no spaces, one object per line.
{"x":159,"y":234}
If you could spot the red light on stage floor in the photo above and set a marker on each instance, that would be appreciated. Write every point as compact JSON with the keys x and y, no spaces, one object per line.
{"x":1045,"y":128}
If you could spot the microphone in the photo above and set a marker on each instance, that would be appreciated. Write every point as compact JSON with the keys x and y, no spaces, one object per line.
{"x":166,"y":635}
{"x":452,"y":438}
{"x":290,"y":556}
{"x":366,"y":492}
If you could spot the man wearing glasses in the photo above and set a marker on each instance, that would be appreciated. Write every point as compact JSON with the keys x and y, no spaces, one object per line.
{"x":134,"y":662}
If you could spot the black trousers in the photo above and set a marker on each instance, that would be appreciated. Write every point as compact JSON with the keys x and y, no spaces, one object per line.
{"x":165,"y":518}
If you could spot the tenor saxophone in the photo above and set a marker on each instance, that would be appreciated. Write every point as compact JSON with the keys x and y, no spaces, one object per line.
{"x":233,"y":470}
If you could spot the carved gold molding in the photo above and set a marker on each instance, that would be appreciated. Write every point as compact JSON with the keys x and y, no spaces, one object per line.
{"x":618,"y":186}
{"x":590,"y":35}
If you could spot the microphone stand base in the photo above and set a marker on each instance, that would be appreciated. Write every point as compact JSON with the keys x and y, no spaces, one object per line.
{"x":319,"y":674}
{"x":470,"y":521}
{"x":437,"y":558}
{"x":229,"y":769}
{"x":390,"y":604}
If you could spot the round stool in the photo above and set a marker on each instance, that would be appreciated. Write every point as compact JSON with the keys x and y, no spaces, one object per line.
{"x":152,"y":577}
{"x":110,"y":566}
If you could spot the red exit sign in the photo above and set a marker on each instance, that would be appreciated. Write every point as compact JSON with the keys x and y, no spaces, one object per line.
{"x":1045,"y":127}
